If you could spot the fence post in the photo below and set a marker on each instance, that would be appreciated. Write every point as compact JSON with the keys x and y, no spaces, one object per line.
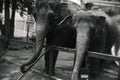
{"x":27,"y":32}
{"x":119,"y":72}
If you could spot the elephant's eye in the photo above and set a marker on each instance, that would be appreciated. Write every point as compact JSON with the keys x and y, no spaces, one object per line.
{"x":75,"y":25}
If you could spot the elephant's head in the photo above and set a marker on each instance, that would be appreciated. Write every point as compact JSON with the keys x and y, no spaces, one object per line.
{"x":44,"y":17}
{"x":90,"y":29}
{"x":65,"y":9}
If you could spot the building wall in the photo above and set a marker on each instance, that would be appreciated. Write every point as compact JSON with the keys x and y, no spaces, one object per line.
{"x":22,"y":24}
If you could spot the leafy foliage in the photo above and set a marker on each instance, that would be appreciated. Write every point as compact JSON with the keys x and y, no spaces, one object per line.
{"x":25,"y":5}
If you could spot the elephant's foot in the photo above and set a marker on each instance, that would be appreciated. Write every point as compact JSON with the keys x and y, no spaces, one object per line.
{"x":46,"y":71}
{"x":52,"y":72}
{"x":75,"y":76}
{"x":94,"y":76}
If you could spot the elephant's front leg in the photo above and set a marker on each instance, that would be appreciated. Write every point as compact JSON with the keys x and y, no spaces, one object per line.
{"x":82,"y":40}
{"x":97,"y":45}
{"x":50,"y":60}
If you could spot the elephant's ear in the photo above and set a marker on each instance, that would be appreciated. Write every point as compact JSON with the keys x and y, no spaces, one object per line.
{"x":54,"y":6}
{"x":97,"y":20}
{"x":101,"y":19}
{"x":100,"y":26}
{"x":100,"y":22}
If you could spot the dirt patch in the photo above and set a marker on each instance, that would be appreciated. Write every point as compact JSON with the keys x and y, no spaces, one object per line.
{"x":64,"y":66}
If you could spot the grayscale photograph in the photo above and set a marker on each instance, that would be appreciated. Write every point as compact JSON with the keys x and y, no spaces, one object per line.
{"x":59,"y":39}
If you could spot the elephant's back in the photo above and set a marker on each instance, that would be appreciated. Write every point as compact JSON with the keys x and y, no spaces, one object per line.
{"x":73,"y":7}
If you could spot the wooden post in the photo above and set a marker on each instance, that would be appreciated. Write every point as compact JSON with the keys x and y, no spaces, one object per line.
{"x":27,"y":31}
{"x":74,"y":60}
{"x":28,"y":25}
{"x":119,"y":72}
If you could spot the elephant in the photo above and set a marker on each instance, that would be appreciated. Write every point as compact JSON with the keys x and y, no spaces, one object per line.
{"x":68,"y":25}
{"x":60,"y":35}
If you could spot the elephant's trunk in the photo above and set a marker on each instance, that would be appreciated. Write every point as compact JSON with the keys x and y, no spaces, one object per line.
{"x":41,"y":32}
{"x":81,"y":45}
{"x":40,"y":35}
{"x":42,"y":25}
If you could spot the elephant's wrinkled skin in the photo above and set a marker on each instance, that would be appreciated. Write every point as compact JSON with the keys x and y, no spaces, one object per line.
{"x":90,"y":30}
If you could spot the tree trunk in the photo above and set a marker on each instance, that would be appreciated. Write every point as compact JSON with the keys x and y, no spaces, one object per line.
{"x":7,"y":18}
{"x":1,"y":6}
{"x":12,"y":21}
{"x":7,"y":23}
{"x":1,"y":26}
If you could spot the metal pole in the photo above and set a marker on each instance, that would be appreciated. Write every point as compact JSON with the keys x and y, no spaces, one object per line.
{"x":5,"y":51}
